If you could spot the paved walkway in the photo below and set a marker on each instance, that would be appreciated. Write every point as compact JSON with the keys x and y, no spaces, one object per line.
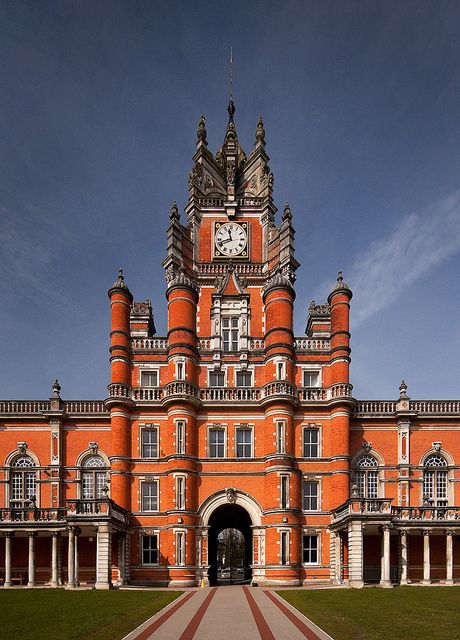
{"x":228,"y":613}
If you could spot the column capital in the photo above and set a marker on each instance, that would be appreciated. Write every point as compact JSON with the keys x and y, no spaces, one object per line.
{"x":426,"y":532}
{"x":449,"y":532}
{"x":32,"y":534}
{"x":387,"y":527}
{"x":403,"y":532}
{"x":55,"y":534}
{"x":8,"y":534}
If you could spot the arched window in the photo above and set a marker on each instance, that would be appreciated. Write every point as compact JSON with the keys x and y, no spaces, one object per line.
{"x":93,"y":478}
{"x":23,"y":482}
{"x":366,"y":476}
{"x":435,"y":480}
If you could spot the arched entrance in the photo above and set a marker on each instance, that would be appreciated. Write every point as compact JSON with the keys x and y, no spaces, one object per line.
{"x":225,"y":517}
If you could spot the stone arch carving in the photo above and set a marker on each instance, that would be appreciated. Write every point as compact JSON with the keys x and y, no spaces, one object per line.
{"x":438,"y":450}
{"x":372,"y":452}
{"x":220,"y":498}
{"x":87,"y":453}
{"x":18,"y":453}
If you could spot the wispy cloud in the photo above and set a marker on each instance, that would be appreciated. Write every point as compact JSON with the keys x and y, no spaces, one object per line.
{"x":420,"y":242}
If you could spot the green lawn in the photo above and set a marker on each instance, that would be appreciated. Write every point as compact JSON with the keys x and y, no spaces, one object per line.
{"x":403,"y":613}
{"x":56,"y":614}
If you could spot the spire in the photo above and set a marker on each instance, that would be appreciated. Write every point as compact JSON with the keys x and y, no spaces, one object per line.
{"x":260,"y":133}
{"x":201,"y":132}
{"x":120,"y":285}
{"x":56,"y":387}
{"x":174,"y":213}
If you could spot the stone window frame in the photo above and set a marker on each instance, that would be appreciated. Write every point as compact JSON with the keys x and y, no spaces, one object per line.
{"x":318,"y":481}
{"x":180,"y":370}
{"x":180,"y":533}
{"x":80,"y":464}
{"x":280,"y":436}
{"x":438,"y":450}
{"x":216,"y":427}
{"x":149,"y":426}
{"x":177,"y":423}
{"x":311,"y":426}
{"x":148,"y":534}
{"x":10,"y":469}
{"x":312,"y":368}
{"x":244,"y":427}
{"x":313,"y":534}
{"x":380,"y":468}
{"x":284,"y":533}
{"x":148,"y":369}
{"x":180,"y":479}
{"x":284,"y":490}
{"x":144,"y":481}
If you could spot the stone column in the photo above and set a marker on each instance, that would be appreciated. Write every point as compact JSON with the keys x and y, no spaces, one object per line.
{"x":385,"y":579}
{"x":355,"y":555}
{"x":426,"y":557}
{"x":104,"y":557}
{"x":54,"y":558}
{"x":449,"y":557}
{"x":404,"y":558}
{"x":8,"y":544}
{"x":336,"y":551}
{"x":71,"y":559}
{"x":32,"y":535}
{"x":76,"y":561}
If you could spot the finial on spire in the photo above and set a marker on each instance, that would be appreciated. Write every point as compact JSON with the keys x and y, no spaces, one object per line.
{"x":120,"y":282}
{"x":231,"y":72}
{"x":260,"y":133}
{"x":231,"y":110}
{"x":403,"y":389}
{"x":287,"y":213}
{"x":174,"y":213}
{"x":201,"y":131}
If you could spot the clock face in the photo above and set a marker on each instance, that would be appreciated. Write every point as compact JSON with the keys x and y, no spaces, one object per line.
{"x":230,"y":239}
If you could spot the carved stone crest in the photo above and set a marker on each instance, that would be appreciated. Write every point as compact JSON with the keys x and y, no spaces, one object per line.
{"x":231,"y":495}
{"x":22,"y":446}
{"x":94,"y":447}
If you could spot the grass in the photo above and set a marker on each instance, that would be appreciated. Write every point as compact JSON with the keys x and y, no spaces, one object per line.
{"x":54,"y":614}
{"x":403,"y":613}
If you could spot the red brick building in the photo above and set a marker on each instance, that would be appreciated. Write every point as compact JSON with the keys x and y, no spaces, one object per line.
{"x":229,"y":421}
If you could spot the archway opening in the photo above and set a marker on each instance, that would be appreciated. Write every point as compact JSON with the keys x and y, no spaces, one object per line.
{"x":230,"y":545}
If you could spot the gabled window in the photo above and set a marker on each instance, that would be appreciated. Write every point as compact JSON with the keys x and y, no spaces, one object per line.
{"x":230,"y":334}
{"x":243,"y":443}
{"x":310,"y":444}
{"x":435,"y":480}
{"x":149,"y":378}
{"x":216,"y":379}
{"x":149,"y":496}
{"x":244,"y":379}
{"x":149,"y":443}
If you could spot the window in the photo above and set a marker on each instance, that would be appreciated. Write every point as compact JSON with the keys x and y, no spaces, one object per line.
{"x":243,"y":443}
{"x":23,"y":482}
{"x":149,"y":378}
{"x":284,"y":543}
{"x":280,"y":370}
{"x":310,"y":549}
{"x":230,"y":334}
{"x":284,"y":492}
{"x":94,"y":478}
{"x":310,"y":378}
{"x":180,"y":371}
{"x":150,"y":549}
{"x":310,"y":495}
{"x":149,"y":496}
{"x":244,"y":379}
{"x":180,"y":547}
{"x":216,"y":443}
{"x":280,"y":436}
{"x":310,"y":443}
{"x":435,"y":480}
{"x":180,"y":437}
{"x":366,"y":477}
{"x":149,"y":443}
{"x":180,"y":492}
{"x":216,"y":379}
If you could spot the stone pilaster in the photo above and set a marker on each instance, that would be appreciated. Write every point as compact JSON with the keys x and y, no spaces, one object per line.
{"x":104,"y":557}
{"x":355,"y":555}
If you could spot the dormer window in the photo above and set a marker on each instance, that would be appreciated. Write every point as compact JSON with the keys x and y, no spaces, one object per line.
{"x":230,"y":334}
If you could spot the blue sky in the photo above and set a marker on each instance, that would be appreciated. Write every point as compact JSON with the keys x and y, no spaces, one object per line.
{"x":98,"y":114}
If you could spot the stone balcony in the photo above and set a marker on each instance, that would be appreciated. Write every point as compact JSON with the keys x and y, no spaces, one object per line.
{"x":81,"y":510}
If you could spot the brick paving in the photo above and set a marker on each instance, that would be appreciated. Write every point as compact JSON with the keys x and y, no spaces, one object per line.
{"x":228,"y":613}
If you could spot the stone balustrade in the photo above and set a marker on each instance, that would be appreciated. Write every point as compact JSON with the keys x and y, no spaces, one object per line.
{"x":312,"y":344}
{"x":32,"y":514}
{"x":224,"y":394}
{"x":149,"y":344}
{"x":424,"y":513}
{"x":148,"y":394}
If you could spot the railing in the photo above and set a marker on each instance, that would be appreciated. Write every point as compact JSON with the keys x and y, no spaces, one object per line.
{"x":204,"y":344}
{"x":256,"y":344}
{"x":84,"y":406}
{"x":435,"y":406}
{"x":427,"y":407}
{"x":426,"y":513}
{"x":279,"y":388}
{"x":312,"y":394}
{"x":211,"y":202}
{"x":32,"y":514}
{"x":152,"y":394}
{"x":312,"y":344}
{"x":375,"y":407}
{"x":118,"y":390}
{"x":213,"y":268}
{"x":181,"y":388}
{"x":238,"y":394}
{"x":149,"y":344}
{"x":24,"y":406}
{"x":341,"y":390}
{"x":363,"y":507}
{"x":97,"y":507}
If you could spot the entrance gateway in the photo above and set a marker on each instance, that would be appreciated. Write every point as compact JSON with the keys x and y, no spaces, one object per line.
{"x":231,"y":509}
